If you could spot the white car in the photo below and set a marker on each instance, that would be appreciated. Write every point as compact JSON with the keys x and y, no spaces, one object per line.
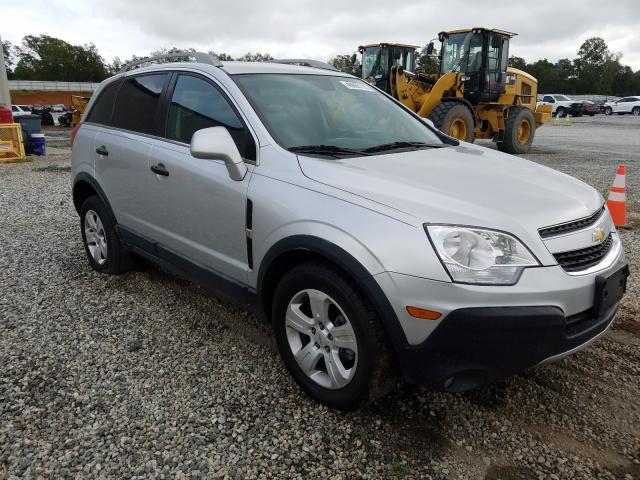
{"x":561,"y":104}
{"x":622,"y":106}
{"x":20,"y":110}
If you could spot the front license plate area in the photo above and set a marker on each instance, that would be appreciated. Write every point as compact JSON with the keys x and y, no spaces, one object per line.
{"x":610,"y":289}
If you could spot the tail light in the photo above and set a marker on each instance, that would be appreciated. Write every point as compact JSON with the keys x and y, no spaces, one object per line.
{"x":74,"y":132}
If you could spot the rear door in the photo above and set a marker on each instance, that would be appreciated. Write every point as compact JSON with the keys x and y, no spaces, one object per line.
{"x":195,"y":209}
{"x":122,"y":149}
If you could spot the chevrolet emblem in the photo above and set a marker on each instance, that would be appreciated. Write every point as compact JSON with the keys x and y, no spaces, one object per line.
{"x":598,"y":235}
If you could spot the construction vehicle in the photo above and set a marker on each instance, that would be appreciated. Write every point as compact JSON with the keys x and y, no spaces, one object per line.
{"x":79,"y":105}
{"x":475,"y":94}
{"x":72,"y":117}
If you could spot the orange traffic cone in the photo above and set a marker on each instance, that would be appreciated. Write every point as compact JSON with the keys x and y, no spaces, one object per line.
{"x":617,"y":201}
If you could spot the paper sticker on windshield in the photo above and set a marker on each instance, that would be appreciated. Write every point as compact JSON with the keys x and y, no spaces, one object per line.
{"x":356,"y":85}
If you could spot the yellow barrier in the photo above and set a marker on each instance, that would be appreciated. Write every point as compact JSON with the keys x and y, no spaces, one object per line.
{"x":11,"y":144}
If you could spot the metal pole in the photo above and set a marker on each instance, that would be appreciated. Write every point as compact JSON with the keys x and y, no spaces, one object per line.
{"x":5,"y":96}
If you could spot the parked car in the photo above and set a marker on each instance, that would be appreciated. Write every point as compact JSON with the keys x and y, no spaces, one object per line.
{"x":624,"y":105}
{"x":20,"y":110}
{"x":598,"y":105}
{"x":58,"y":108}
{"x":590,"y":108}
{"x":45,"y":113}
{"x":370,"y":241}
{"x":561,"y":105}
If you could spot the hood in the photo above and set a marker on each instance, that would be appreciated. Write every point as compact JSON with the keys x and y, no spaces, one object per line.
{"x":467,"y":185}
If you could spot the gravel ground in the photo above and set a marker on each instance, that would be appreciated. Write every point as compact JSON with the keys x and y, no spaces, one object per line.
{"x":143,"y":375}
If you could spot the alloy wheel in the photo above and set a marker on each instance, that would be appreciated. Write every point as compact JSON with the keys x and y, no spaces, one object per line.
{"x":321,"y":339}
{"x":95,"y":237}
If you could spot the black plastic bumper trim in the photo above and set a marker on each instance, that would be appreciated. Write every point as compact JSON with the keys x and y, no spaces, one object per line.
{"x":474,"y":346}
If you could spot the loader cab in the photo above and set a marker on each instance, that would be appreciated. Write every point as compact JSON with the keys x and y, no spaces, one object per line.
{"x":377,"y":60}
{"x":482,"y":55}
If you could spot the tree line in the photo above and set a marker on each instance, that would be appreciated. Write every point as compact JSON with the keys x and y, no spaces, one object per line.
{"x":594,"y":70}
{"x":43,"y":57}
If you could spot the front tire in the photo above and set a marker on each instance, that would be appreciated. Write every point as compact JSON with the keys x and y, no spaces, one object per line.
{"x":636,"y":111}
{"x":455,"y":119}
{"x":561,"y":112}
{"x":330,"y":337}
{"x":608,"y":111}
{"x":101,"y":243}
{"x":519,"y":131}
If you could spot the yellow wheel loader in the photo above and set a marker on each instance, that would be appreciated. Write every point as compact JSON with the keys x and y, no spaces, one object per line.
{"x":475,"y":94}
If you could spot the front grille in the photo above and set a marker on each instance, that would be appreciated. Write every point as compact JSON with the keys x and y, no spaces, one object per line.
{"x":583,"y":258}
{"x":572,"y":226}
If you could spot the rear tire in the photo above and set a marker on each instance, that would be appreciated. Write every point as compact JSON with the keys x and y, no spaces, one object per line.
{"x":313,"y":300}
{"x":455,"y":119}
{"x":561,"y":112}
{"x":636,"y":111}
{"x":100,"y":239}
{"x":519,"y":131}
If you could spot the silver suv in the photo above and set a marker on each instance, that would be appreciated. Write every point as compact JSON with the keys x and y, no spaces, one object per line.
{"x":374,"y":244}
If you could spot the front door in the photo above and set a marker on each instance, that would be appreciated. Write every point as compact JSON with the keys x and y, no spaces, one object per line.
{"x":194,"y":207}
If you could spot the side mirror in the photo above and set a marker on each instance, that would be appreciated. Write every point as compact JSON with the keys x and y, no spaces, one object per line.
{"x":430,"y":48}
{"x":215,"y":143}
{"x":496,"y":41}
{"x":353,"y":59}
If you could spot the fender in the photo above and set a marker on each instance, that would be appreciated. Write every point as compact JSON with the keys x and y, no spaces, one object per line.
{"x":347,"y":263}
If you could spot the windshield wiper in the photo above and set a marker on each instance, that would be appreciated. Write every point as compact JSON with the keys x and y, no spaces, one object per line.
{"x":395,"y":145}
{"x":334,"y":150}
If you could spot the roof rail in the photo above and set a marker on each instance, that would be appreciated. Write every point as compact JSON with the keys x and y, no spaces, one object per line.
{"x":305,"y":62}
{"x":199,"y":57}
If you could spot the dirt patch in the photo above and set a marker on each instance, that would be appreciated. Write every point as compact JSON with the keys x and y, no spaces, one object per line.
{"x":28,"y":97}
{"x":627,"y":320}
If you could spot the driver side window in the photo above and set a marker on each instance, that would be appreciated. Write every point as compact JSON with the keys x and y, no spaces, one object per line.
{"x":196,"y":104}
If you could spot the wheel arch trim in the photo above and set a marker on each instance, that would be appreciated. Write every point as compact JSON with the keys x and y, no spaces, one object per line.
{"x":83,"y":177}
{"x":345,"y":261}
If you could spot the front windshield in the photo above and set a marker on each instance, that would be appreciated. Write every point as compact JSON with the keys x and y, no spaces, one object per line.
{"x":462,"y":52}
{"x":305,"y":110}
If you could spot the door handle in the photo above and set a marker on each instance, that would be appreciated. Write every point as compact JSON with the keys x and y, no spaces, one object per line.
{"x":160,"y":169}
{"x":102,"y":150}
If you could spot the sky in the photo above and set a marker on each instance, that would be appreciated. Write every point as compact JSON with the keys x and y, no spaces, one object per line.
{"x":320,"y":29}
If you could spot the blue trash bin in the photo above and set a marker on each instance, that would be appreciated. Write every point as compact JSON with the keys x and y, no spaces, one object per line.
{"x":38,"y":144}
{"x":30,"y":123}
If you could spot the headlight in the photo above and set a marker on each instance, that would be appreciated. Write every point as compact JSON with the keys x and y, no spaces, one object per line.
{"x":476,"y":255}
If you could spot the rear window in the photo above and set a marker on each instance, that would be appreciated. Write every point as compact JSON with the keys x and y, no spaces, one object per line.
{"x":138,"y":102}
{"x":101,"y":111}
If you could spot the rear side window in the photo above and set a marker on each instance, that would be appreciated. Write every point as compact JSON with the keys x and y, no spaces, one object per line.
{"x":197,"y":104}
{"x":138,"y":102}
{"x":101,"y":111}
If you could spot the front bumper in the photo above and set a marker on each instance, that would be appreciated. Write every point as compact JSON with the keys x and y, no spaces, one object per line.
{"x":487,"y":332}
{"x":474,"y":346}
